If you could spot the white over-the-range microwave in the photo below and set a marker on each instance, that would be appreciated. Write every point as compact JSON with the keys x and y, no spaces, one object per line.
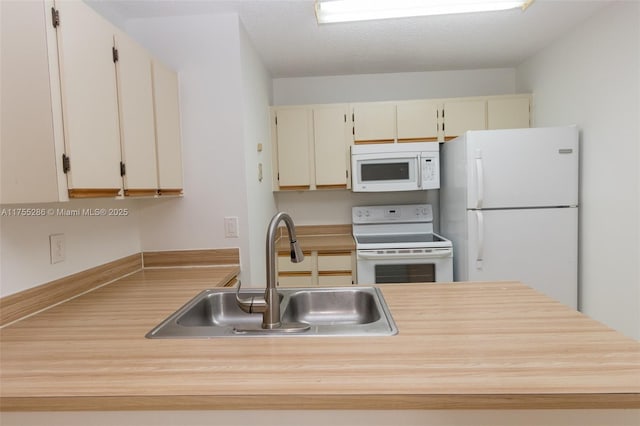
{"x":413,"y":166}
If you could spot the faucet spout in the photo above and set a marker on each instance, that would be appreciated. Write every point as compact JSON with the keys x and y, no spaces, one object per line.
{"x":271,"y":317}
{"x":269,"y":305}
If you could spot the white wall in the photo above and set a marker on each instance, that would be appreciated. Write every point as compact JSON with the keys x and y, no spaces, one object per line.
{"x":256,"y":98}
{"x":395,"y":86}
{"x":224,"y":98}
{"x":90,"y":241}
{"x":591,"y":77}
{"x":334,"y":207}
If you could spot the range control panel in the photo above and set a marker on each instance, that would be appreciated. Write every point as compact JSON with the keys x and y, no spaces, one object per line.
{"x":406,"y":213}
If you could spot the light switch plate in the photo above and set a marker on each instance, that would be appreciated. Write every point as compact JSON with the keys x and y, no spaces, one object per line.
{"x":57,"y":248}
{"x":231,"y":227}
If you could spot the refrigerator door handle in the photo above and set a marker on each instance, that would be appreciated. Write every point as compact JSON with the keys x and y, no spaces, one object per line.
{"x":480,"y":241}
{"x":479,"y":179}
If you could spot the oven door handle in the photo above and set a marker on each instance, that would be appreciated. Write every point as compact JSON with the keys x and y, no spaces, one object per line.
{"x":436,"y":254}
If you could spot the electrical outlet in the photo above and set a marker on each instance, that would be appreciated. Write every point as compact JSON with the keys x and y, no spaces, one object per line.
{"x":57,"y":248}
{"x":231,"y":227}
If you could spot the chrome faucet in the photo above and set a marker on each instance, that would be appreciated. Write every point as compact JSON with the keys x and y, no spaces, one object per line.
{"x":269,"y":304}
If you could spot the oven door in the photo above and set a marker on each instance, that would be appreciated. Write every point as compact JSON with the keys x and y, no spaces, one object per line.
{"x":405,"y":266}
{"x":385,"y":172}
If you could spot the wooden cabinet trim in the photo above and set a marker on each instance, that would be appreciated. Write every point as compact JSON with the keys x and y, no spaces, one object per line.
{"x":94,"y":192}
{"x":140,"y":192}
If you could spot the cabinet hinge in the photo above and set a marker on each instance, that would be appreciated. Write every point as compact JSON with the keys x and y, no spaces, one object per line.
{"x":114,"y":52}
{"x":55,"y":17}
{"x":123,"y":169}
{"x":66,"y":164}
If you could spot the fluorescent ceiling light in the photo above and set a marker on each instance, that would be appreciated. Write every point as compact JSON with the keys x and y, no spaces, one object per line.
{"x":328,"y":11}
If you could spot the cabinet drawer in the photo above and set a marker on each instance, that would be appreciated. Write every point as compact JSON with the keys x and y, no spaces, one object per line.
{"x":299,"y":280}
{"x":285,"y":263}
{"x":334,"y":262}
{"x":334,"y":280}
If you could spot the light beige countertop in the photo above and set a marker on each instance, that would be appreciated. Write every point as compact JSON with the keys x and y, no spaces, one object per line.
{"x":324,"y":238}
{"x":462,"y":345}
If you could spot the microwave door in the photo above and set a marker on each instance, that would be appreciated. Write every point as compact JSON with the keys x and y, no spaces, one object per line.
{"x":391,"y":173}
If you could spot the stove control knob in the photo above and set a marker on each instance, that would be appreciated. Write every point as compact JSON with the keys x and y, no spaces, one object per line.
{"x":366,"y":213}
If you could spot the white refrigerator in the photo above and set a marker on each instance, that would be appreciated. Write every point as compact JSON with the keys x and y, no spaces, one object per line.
{"x":509,"y":204}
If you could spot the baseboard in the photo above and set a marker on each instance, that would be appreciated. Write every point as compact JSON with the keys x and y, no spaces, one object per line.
{"x":27,"y":302}
{"x":177,"y":258}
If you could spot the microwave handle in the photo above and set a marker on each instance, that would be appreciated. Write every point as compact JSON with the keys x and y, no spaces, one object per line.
{"x":419,"y":158}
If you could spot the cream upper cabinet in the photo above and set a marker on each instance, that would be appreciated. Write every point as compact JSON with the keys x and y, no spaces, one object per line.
{"x":374,"y":122}
{"x":462,"y":115}
{"x":418,"y":121}
{"x":311,"y":147}
{"x":166,"y":100}
{"x":331,"y":146}
{"x":30,"y":155}
{"x":509,"y":112}
{"x":293,"y":135}
{"x":89,"y":101}
{"x":137,"y":133}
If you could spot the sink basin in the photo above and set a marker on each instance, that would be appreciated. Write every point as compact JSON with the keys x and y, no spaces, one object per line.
{"x":341,"y":311}
{"x":332,"y":307}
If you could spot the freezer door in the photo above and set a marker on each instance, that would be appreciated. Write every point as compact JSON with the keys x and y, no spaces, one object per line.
{"x":538,"y":247}
{"x":514,"y":168}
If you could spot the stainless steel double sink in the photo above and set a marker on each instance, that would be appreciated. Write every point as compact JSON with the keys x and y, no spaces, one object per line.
{"x":340,"y":311}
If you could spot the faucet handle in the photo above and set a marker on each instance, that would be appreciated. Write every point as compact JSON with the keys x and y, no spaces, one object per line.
{"x":250,"y":305}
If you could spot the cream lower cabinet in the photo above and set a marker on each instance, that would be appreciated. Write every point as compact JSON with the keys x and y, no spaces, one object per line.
{"x":323,"y":269}
{"x":311,"y":147}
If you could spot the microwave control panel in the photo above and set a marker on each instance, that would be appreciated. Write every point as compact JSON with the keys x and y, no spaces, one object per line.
{"x":430,"y":170}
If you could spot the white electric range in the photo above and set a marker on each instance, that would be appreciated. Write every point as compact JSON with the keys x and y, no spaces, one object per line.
{"x":396,"y":244}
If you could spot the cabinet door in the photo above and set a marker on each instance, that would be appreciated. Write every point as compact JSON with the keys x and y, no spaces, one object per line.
{"x":137,"y":135}
{"x":89,"y":102}
{"x":508,"y":113}
{"x":418,"y":121}
{"x":30,"y":155}
{"x":331,"y":146}
{"x":293,"y":133}
{"x":166,"y":103}
{"x":374,"y":122}
{"x":463,"y":115}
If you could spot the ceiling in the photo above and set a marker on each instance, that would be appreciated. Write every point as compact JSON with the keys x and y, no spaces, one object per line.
{"x":292,"y":44}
